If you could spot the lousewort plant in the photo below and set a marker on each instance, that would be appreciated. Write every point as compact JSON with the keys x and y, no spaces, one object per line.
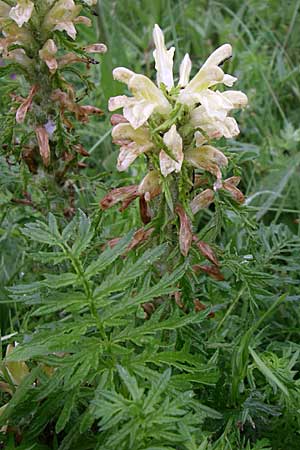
{"x":130,"y":345}
{"x":174,"y":126}
{"x":39,"y":47}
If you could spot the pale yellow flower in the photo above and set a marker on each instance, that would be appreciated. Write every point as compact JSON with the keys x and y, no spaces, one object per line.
{"x":173,"y":141}
{"x":147,"y":98}
{"x":63,"y":16}
{"x":212,"y":115}
{"x":132,"y":142}
{"x":163,"y":59}
{"x":207,"y":158}
{"x":47,"y":54}
{"x":205,"y":109}
{"x":21,"y":13}
{"x":150,"y":187}
{"x":209,"y":75}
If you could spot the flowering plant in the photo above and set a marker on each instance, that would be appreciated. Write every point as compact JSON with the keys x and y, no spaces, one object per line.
{"x":39,"y":44}
{"x":175,"y":126}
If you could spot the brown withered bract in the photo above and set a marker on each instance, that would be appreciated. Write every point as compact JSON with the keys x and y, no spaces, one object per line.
{"x":125,"y":194}
{"x":117,"y":118}
{"x":43,"y":143}
{"x":206,"y":251}
{"x":185,"y":232}
{"x":145,"y":212}
{"x":212,"y":271}
{"x":25,"y":105}
{"x":30,"y":158}
{"x":199,"y":306}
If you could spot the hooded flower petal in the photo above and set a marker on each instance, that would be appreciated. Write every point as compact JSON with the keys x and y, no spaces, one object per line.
{"x":133,"y":143}
{"x":185,"y":70}
{"x":47,"y":54}
{"x":148,"y":99}
{"x":237,"y":98}
{"x":207,"y":158}
{"x":202,"y":80}
{"x":216,"y":105}
{"x":219,"y":56}
{"x":61,"y":17}
{"x":173,"y":141}
{"x":209,"y":75}
{"x":163,"y":59}
{"x":122,"y":74}
{"x":21,"y":13}
{"x":211,"y":116}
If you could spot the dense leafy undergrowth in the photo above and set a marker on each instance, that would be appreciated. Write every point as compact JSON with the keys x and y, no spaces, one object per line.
{"x":130,"y":347}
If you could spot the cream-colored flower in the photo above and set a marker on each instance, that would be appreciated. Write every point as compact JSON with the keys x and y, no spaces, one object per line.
{"x":19,"y":56}
{"x":147,"y":98}
{"x":62,"y":17}
{"x":21,"y":13}
{"x":212,"y":115}
{"x":13,"y":35}
{"x":209,"y":75}
{"x":132,"y":142}
{"x":173,"y":141}
{"x":47,"y":54}
{"x":207,"y":158}
{"x":185,"y":70}
{"x":207,"y":109}
{"x":150,"y":187}
{"x":163,"y":59}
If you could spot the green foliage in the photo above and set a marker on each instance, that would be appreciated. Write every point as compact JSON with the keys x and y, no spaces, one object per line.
{"x":103,"y":374}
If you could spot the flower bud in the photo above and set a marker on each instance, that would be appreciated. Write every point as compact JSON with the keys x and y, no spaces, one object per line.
{"x":139,"y":236}
{"x":145,"y":211}
{"x":96,"y":48}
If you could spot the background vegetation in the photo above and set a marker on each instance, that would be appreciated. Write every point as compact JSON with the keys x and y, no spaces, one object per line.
{"x":226,"y":377}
